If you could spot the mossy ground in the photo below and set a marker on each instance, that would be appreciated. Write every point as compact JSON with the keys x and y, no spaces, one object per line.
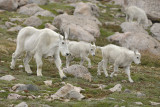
{"x":146,"y":75}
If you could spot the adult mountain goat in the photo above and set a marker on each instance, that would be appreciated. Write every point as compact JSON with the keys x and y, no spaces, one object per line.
{"x":133,"y":12}
{"x":80,"y":50}
{"x":120,"y":57}
{"x":40,"y":43}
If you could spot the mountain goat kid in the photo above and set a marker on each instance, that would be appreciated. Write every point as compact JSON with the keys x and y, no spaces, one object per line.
{"x":40,"y":43}
{"x":80,"y":50}
{"x":133,"y":12}
{"x":120,"y":57}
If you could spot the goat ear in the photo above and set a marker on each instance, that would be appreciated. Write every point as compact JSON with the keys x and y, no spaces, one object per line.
{"x":66,"y":35}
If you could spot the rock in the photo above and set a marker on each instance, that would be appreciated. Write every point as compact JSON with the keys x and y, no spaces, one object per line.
{"x":116,"y":106}
{"x":140,"y":41}
{"x":15,"y":29}
{"x":29,"y":9}
{"x":7,"y":78}
{"x":48,"y":82}
{"x":139,"y":94}
{"x":22,"y":2}
{"x":111,"y":23}
{"x":154,"y":103}
{"x":13,"y":96}
{"x":45,"y":13}
{"x":2,"y":11}
{"x":118,"y":15}
{"x":114,"y":9}
{"x":17,"y":19}
{"x":100,"y":86}
{"x":139,"y":103}
{"x":78,"y":71}
{"x":13,"y":40}
{"x":22,"y":104}
{"x":23,"y":87}
{"x":110,"y":98}
{"x":9,"y":5}
{"x":2,"y":91}
{"x":39,"y":2}
{"x":86,"y":9}
{"x":68,"y":92}
{"x":59,"y":11}
{"x":103,"y":11}
{"x":3,"y":27}
{"x":127,"y":91}
{"x":117,"y":87}
{"x":33,"y":21}
{"x":48,"y":25}
{"x":20,"y":66}
{"x":155,"y":29}
{"x":74,"y":95}
{"x":81,"y":28}
{"x":9,"y":24}
{"x":132,"y":27}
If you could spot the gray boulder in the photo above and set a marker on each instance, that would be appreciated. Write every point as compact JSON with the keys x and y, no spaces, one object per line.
{"x":132,"y":27}
{"x":29,"y":9}
{"x":81,"y":28}
{"x":33,"y":21}
{"x":78,"y":71}
{"x":22,"y":104}
{"x":23,"y":87}
{"x":9,"y":5}
{"x":140,"y":41}
{"x":155,"y":29}
{"x":7,"y":78}
{"x":86,"y":9}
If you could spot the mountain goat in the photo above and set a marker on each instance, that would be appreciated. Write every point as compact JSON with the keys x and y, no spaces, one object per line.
{"x":120,"y":57}
{"x":80,"y":49}
{"x":40,"y":43}
{"x":133,"y":12}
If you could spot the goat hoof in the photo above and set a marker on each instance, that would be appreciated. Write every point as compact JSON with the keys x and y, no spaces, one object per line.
{"x":63,"y":78}
{"x":29,"y":74}
{"x":106,"y":76}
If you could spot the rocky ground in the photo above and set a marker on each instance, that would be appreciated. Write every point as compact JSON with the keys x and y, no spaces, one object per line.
{"x":88,"y":22}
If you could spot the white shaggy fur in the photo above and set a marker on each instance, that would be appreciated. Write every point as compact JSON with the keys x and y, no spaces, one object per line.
{"x":133,"y":12}
{"x":40,"y":43}
{"x":82,"y":50}
{"x":120,"y":57}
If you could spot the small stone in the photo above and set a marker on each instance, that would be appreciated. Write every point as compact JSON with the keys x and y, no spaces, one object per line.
{"x":59,"y":11}
{"x":154,"y":103}
{"x":139,"y":103}
{"x":116,"y":106}
{"x":15,"y":96}
{"x":139,"y":94}
{"x":7,"y":78}
{"x":117,"y":87}
{"x":2,"y":91}
{"x":20,"y":66}
{"x":124,"y":81}
{"x":103,"y":11}
{"x":22,"y":104}
{"x":110,"y":98}
{"x":127,"y":91}
{"x":48,"y":82}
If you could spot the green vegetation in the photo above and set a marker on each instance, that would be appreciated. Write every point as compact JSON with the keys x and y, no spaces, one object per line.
{"x":146,"y":75}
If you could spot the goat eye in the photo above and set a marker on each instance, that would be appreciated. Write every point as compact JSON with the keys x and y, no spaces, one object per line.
{"x":62,"y":42}
{"x":137,"y":57}
{"x":91,"y":49}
